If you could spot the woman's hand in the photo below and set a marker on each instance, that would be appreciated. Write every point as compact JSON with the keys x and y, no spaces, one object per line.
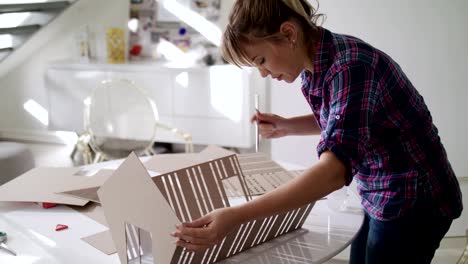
{"x":207,"y":230}
{"x":271,"y":125}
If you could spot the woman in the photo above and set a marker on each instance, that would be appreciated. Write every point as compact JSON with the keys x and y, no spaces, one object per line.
{"x":375,"y":128}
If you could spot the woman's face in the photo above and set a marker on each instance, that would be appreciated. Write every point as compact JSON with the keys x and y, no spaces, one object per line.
{"x":281,"y":59}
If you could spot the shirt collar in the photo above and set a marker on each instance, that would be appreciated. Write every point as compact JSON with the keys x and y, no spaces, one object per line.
{"x":322,"y":58}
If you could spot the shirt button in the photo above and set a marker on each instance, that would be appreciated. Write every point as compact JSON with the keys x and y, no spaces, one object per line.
{"x":337,"y":117}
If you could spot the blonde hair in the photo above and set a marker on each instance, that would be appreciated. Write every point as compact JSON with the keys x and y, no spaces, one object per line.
{"x":252,"y":20}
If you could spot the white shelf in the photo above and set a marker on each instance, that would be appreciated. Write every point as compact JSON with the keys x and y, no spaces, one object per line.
{"x":129,"y":66}
{"x":214,"y":105}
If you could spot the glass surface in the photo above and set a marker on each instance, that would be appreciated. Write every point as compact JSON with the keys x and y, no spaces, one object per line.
{"x":121,"y":118}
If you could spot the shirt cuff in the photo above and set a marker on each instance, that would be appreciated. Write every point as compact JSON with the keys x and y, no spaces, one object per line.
{"x":339,"y":153}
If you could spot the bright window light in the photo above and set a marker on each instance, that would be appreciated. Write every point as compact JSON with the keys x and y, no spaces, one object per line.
{"x":226,"y":91}
{"x":49,"y":242}
{"x":9,"y":20}
{"x":208,"y":29}
{"x":133,"y":25}
{"x":175,"y":56}
{"x":182,"y":79}
{"x":87,"y":101}
{"x":109,"y":128}
{"x":37,"y":111}
{"x":170,"y":51}
{"x":67,"y":137}
{"x":6,"y":41}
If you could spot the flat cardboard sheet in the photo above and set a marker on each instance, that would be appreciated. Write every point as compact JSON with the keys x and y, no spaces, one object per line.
{"x":258,"y":184}
{"x":41,"y":185}
{"x":87,"y":189}
{"x":261,"y":173}
{"x":163,"y":163}
{"x":88,"y":194}
{"x":258,"y":163}
{"x":95,"y":180}
{"x":93,"y":211}
{"x":102,"y":241}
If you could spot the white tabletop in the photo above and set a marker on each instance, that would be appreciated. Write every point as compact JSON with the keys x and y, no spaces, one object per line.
{"x":330,"y":228}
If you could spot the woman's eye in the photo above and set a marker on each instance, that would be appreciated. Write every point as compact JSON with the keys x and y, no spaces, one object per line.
{"x":259,"y":61}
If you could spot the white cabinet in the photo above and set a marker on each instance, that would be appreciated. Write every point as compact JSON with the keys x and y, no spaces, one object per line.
{"x":214,"y":104}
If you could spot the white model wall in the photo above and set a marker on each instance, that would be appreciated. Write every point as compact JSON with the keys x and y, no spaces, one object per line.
{"x":22,"y":77}
{"x":427,"y":38}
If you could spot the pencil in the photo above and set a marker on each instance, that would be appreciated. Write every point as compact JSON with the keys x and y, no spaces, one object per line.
{"x":257,"y":138}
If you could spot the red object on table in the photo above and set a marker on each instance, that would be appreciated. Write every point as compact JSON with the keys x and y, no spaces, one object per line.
{"x":136,"y":50}
{"x":60,"y":227}
{"x":47,"y":205}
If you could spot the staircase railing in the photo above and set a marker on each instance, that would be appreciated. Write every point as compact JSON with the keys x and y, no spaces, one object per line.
{"x":19,"y":21}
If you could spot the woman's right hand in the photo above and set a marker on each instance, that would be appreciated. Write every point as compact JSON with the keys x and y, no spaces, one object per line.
{"x":208,"y":230}
{"x":271,"y":125}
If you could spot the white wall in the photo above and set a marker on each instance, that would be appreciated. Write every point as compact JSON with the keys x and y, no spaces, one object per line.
{"x":427,"y":38}
{"x":22,"y":75}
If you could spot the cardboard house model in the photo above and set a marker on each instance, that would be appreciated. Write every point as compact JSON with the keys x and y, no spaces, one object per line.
{"x":142,"y":211}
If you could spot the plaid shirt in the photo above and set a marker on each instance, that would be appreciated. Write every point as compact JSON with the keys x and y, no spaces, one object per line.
{"x":375,"y":121}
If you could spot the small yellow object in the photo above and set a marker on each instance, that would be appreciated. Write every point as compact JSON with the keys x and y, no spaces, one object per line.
{"x":115,"y":45}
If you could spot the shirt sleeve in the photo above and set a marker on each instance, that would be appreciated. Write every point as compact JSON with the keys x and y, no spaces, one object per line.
{"x":353,"y":99}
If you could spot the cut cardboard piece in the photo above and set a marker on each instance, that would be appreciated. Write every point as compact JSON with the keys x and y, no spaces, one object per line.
{"x":87,"y":189}
{"x":102,"y":241}
{"x":215,"y":152}
{"x":130,"y":196}
{"x":93,"y":211}
{"x":261,"y":173}
{"x":259,"y":184}
{"x":262,"y":178}
{"x":96,"y":180}
{"x":258,"y":163}
{"x":88,"y":194}
{"x":41,"y":185}
{"x":162,"y":164}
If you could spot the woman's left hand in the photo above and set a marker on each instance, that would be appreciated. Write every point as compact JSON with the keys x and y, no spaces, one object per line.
{"x":207,"y":230}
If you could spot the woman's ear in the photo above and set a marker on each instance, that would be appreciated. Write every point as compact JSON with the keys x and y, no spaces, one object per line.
{"x":289,"y":31}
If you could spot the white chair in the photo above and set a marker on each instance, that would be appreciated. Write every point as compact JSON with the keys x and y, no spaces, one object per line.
{"x":121,"y":118}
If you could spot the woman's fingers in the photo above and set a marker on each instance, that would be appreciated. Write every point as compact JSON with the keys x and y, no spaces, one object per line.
{"x":192,"y":239}
{"x":200,"y":222}
{"x":266,"y":127}
{"x":269,"y":125}
{"x":196,"y":232}
{"x":264,"y":117}
{"x":253,"y":118}
{"x":191,"y":233}
{"x":208,"y":230}
{"x":192,"y":247}
{"x":270,"y":131}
